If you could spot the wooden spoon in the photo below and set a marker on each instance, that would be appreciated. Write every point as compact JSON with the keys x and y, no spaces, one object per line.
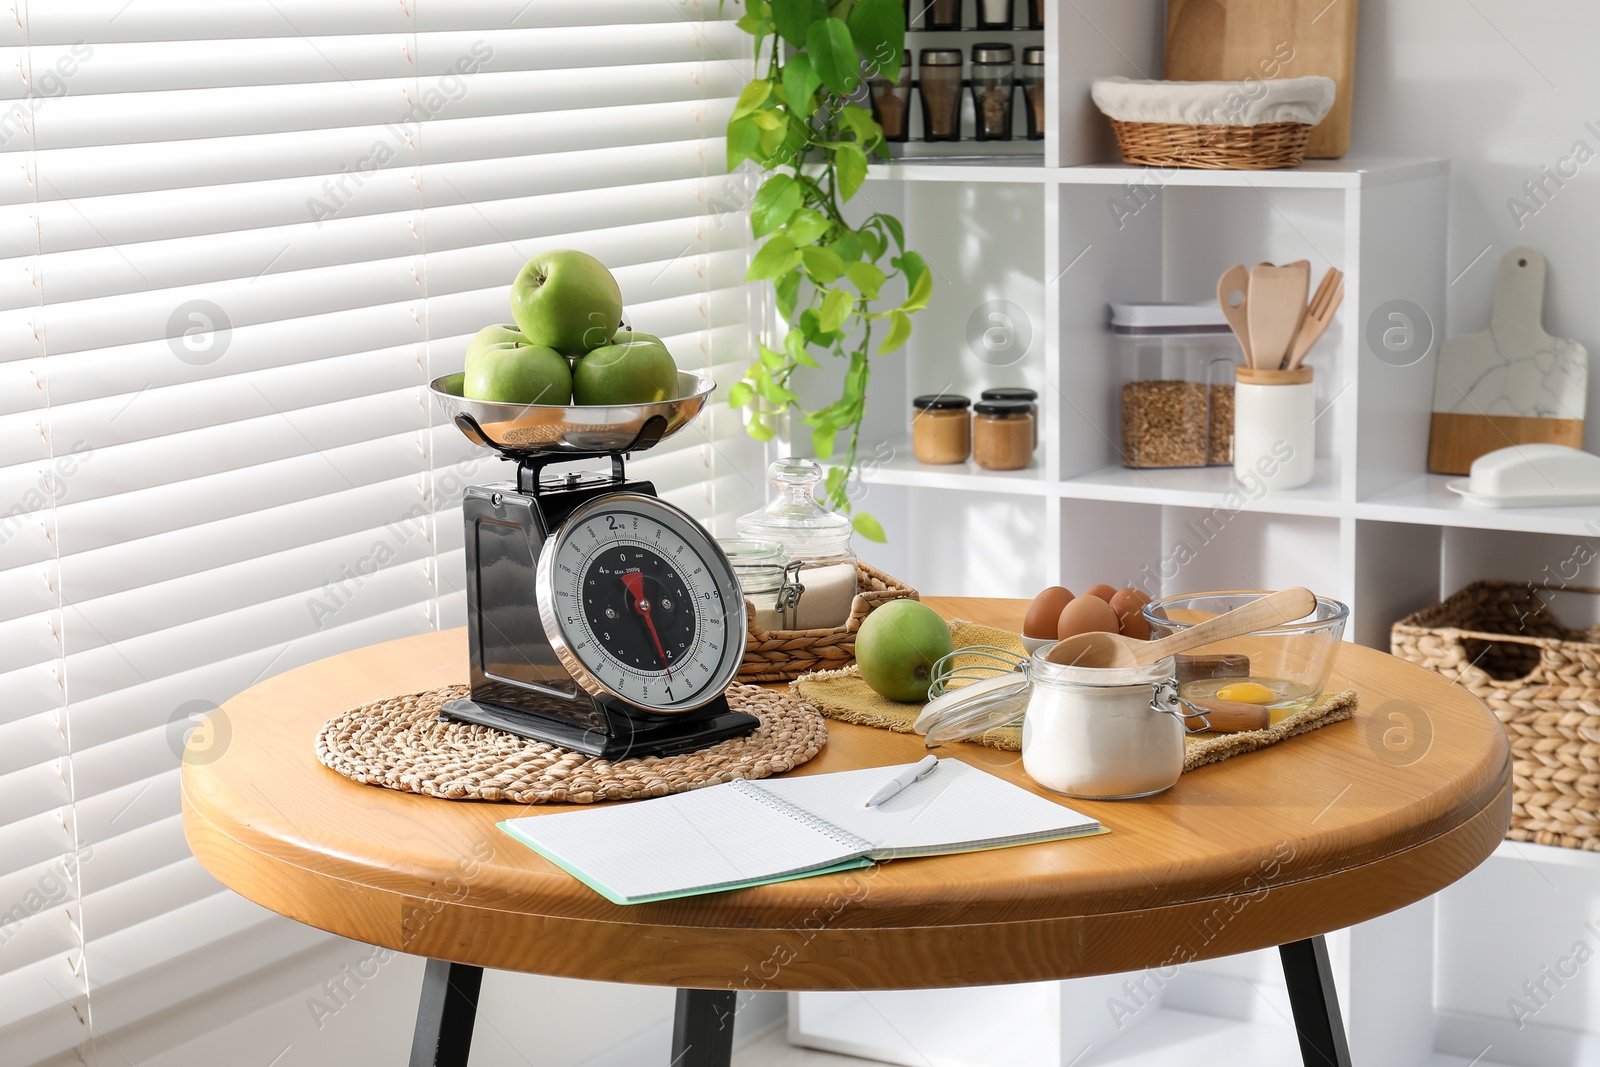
{"x":1114,"y":650}
{"x":1236,"y":280}
{"x":1277,"y":302}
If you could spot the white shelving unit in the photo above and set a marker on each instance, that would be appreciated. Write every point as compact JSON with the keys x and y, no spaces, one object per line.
{"x":1048,"y":244}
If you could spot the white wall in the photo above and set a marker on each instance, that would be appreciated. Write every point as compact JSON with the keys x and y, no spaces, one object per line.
{"x":1500,"y":88}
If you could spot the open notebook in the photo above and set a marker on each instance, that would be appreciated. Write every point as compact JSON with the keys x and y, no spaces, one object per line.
{"x":747,"y":833}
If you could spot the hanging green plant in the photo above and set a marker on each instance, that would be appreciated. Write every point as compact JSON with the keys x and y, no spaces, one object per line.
{"x":797,"y":122}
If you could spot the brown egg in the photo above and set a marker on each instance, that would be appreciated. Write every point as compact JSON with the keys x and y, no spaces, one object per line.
{"x":1044,"y":611}
{"x":1103,"y":591}
{"x":1129,"y":604}
{"x":1084,"y":614}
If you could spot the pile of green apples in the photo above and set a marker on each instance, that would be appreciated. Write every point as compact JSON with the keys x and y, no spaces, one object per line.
{"x":568,"y":345}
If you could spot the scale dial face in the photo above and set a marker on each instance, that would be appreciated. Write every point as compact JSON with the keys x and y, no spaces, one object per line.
{"x":640,"y":604}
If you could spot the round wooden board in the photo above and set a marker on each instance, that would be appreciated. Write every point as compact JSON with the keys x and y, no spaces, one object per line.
{"x":1312,"y":835}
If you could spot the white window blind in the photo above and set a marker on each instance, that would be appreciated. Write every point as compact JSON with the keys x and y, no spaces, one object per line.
{"x":237,"y":241}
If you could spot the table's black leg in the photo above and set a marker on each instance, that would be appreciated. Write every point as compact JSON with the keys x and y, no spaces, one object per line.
{"x":702,"y":1028}
{"x":1315,"y":1003}
{"x":445,"y":1016}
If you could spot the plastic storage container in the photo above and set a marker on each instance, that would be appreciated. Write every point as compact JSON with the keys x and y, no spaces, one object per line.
{"x":1177,"y":370}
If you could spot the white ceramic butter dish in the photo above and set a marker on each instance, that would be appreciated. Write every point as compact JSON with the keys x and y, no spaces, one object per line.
{"x":1531,"y":476}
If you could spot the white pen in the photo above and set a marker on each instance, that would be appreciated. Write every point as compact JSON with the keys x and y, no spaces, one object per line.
{"x":914,"y":773}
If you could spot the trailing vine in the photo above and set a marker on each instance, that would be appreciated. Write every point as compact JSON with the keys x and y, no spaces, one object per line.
{"x":803,"y":124}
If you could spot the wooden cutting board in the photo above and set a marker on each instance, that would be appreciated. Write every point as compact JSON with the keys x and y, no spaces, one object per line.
{"x":1512,"y":384}
{"x":1237,"y":40}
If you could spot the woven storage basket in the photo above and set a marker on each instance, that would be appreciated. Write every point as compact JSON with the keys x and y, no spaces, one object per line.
{"x":1267,"y":146}
{"x":1542,"y":680}
{"x":784,"y":655}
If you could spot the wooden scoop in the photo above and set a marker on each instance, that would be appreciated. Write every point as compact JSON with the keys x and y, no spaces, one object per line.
{"x":1114,"y":650}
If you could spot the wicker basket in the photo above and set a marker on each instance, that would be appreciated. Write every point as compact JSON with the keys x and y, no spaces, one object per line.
{"x":784,"y":655}
{"x":1542,"y":680}
{"x":1266,"y":146}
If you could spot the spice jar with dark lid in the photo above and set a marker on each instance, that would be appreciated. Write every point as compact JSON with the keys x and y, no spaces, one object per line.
{"x":941,"y":429}
{"x":939,"y":85}
{"x":937,"y":14}
{"x":891,"y":104}
{"x":1031,"y":75}
{"x":1002,"y":434}
{"x":994,"y":14}
{"x":1007,"y":392}
{"x":993,"y":78}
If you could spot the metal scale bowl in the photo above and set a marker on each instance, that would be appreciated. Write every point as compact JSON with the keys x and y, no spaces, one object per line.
{"x":599,"y":617}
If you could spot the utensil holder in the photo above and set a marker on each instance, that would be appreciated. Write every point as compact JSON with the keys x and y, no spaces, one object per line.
{"x":1274,"y":442}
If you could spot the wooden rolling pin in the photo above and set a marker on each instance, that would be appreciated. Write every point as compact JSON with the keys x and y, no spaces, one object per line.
{"x":1228,"y":716}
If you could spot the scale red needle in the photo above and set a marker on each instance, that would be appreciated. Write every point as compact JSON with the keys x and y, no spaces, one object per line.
{"x":634,"y":582}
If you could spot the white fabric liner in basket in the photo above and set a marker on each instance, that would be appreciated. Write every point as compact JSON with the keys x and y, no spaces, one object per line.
{"x":1241,"y":103}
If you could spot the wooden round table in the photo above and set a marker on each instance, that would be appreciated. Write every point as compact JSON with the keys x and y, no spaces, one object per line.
{"x":1312,"y":835}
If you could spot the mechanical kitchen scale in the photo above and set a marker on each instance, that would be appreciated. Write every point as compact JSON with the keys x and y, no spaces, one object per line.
{"x":599,"y":617}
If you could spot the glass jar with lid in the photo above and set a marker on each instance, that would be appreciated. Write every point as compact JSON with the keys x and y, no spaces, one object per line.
{"x":939,"y":86}
{"x":891,"y":104}
{"x":941,"y":428}
{"x":1031,"y":75}
{"x":1002,"y":434}
{"x":762,"y":568}
{"x":994,"y":14}
{"x":816,"y":540}
{"x":1009,"y":392}
{"x":993,"y":77}
{"x":938,"y":14}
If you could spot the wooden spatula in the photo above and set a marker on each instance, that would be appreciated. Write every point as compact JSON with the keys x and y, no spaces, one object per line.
{"x":1328,"y":297}
{"x":1277,"y":301}
{"x":1235,"y":282}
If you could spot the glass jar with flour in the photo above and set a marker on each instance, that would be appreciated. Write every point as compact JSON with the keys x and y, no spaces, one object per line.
{"x":816,"y":540}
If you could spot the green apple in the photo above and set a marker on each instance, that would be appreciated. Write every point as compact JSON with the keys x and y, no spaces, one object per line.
{"x":897,"y":646}
{"x":515,"y":372}
{"x":566,"y":300}
{"x":627,"y":333}
{"x":634,"y":372}
{"x":499,"y":333}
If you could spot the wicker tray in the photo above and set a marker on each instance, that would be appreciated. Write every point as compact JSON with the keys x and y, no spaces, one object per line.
{"x":1542,"y":680}
{"x":784,"y":655}
{"x":1266,"y":146}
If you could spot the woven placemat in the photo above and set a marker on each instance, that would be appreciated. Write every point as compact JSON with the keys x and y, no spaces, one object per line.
{"x":399,"y":743}
{"x":842,"y":695}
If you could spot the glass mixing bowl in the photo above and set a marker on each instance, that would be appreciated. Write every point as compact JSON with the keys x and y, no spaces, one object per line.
{"x":1285,"y":668}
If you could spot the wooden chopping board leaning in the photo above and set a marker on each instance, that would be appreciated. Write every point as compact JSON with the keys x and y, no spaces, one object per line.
{"x":1245,"y":40}
{"x":1512,"y":384}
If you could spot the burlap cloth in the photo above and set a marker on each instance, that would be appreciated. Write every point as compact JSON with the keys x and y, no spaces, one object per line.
{"x":399,"y":743}
{"x":842,"y":695}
